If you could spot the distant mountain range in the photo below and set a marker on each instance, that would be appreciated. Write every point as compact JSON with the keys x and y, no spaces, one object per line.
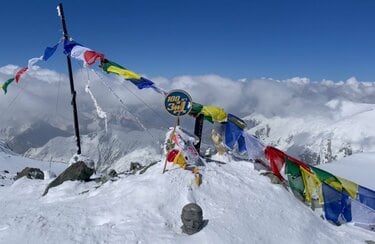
{"x":317,"y":139}
{"x":315,"y":121}
{"x":313,"y":139}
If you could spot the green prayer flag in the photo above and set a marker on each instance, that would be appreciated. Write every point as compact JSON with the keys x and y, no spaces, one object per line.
{"x":328,"y":178}
{"x":295,"y":180}
{"x":105,"y":64}
{"x":6,"y":84}
{"x":196,"y":109}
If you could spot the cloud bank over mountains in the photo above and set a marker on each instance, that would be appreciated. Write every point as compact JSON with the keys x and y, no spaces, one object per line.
{"x":317,"y":121}
{"x":45,"y":94}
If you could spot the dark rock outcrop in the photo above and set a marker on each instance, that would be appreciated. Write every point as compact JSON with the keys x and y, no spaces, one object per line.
{"x":30,"y":173}
{"x":112,"y":173}
{"x":135,"y":166}
{"x":77,"y":171}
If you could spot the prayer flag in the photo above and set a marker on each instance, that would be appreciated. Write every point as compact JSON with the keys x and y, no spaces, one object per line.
{"x":254,"y":147}
{"x":20,"y":73}
{"x":77,"y":51}
{"x":139,"y":81}
{"x":337,"y":205}
{"x":5,"y":85}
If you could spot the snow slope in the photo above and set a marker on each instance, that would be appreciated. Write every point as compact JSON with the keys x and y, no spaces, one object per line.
{"x":13,"y":163}
{"x":240,"y":205}
{"x":358,"y":168}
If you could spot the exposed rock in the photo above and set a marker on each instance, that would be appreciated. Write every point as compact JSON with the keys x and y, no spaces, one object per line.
{"x":192,"y":218}
{"x":263,"y":132}
{"x":135,"y":166}
{"x":30,"y":173}
{"x":112,"y":173}
{"x":77,"y":171}
{"x":346,"y":150}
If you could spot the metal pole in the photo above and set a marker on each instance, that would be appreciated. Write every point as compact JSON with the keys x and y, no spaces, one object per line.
{"x":198,"y":130}
{"x":60,"y":11}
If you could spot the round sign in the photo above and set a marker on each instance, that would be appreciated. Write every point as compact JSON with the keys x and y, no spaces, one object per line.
{"x":178,"y":102}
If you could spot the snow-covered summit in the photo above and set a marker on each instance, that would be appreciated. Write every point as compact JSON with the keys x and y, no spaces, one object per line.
{"x":240,"y":205}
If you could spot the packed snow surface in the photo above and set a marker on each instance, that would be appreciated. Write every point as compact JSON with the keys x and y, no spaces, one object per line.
{"x":359,"y":168}
{"x":241,"y":206}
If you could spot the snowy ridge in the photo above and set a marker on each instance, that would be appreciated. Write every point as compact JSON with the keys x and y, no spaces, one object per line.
{"x":5,"y":149}
{"x":240,"y":205}
{"x":105,"y":149}
{"x":317,"y":139}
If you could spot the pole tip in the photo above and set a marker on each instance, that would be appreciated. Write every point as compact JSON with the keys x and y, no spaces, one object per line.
{"x":58,"y":9}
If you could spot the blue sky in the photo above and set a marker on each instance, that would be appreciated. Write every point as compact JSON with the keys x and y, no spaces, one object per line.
{"x":326,"y":39}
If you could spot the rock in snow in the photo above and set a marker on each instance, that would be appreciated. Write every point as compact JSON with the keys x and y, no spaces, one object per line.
{"x":76,"y":171}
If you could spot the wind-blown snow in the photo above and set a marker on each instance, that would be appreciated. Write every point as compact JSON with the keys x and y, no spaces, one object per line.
{"x":240,"y":205}
{"x":101,"y":114}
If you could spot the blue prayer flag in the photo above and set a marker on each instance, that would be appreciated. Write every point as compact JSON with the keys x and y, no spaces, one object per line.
{"x":233,"y":134}
{"x":366,"y":196}
{"x":49,"y":51}
{"x":337,"y":205}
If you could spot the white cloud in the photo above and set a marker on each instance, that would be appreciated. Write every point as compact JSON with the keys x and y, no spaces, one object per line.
{"x":8,"y":69}
{"x":44,"y":93}
{"x":46,"y":75}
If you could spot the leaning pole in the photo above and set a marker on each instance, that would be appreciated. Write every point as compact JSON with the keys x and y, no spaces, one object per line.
{"x":60,"y":12}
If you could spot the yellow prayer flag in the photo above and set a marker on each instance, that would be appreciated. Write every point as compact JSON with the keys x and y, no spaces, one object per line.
{"x":350,"y":187}
{"x":313,"y":188}
{"x":127,"y":74}
{"x":216,"y":113}
{"x":180,"y":160}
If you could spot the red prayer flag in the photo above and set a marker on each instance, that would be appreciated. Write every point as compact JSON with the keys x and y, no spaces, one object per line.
{"x":91,"y":56}
{"x":19,"y":73}
{"x":277,"y":160}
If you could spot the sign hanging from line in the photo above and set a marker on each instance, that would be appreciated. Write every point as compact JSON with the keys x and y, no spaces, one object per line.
{"x":178,"y":102}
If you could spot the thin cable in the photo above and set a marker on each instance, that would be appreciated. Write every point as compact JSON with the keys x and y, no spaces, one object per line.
{"x":121,"y":101}
{"x":144,"y":103}
{"x":58,"y":95}
{"x":154,"y":111}
{"x":21,"y":89}
{"x":126,"y":108}
{"x":115,"y":94}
